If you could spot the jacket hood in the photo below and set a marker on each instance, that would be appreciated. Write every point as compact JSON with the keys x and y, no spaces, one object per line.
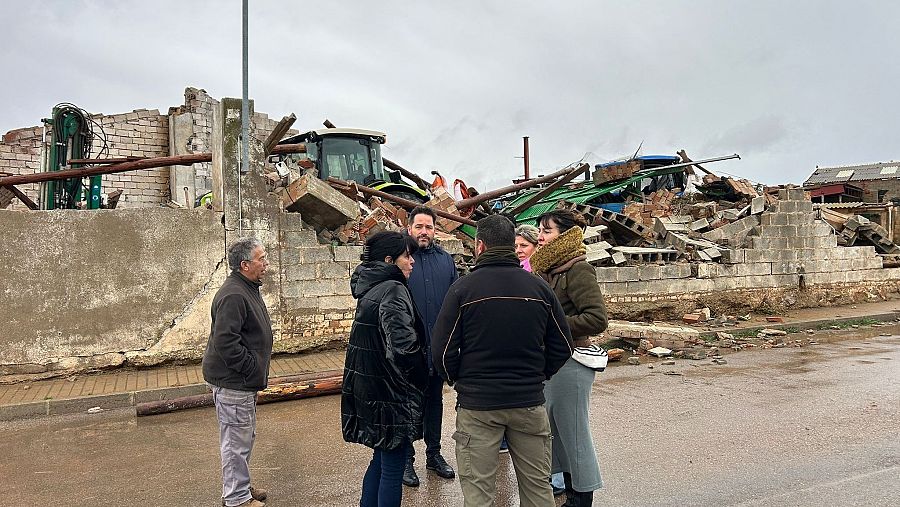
{"x":371,"y":273}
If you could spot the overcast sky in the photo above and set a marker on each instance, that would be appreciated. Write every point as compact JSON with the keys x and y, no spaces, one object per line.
{"x":786,"y":84}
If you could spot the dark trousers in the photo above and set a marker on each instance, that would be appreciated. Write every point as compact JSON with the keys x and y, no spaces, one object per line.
{"x":434,"y":413}
{"x":383,"y":482}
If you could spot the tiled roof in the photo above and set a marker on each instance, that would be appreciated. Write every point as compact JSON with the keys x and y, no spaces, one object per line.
{"x":865,"y":172}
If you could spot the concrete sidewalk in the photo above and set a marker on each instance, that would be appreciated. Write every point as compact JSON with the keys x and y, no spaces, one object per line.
{"x":127,"y":387}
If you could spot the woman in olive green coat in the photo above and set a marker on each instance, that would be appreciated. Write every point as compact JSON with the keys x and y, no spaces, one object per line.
{"x":560,"y":260}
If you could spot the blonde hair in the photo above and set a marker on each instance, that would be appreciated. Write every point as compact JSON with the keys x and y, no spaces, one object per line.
{"x":528,"y":232}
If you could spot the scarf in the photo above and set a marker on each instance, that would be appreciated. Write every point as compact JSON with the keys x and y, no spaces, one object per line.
{"x":562,"y":251}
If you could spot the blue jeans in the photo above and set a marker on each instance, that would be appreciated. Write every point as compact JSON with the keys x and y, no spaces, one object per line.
{"x":383,"y":482}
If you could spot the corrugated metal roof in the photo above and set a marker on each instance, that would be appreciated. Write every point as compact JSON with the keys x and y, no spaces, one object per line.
{"x":865,"y":172}
{"x":584,"y":193}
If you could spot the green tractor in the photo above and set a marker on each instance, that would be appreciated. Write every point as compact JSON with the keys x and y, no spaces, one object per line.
{"x":351,"y":155}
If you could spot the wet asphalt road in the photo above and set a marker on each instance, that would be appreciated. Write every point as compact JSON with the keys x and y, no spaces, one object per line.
{"x":812,"y":426}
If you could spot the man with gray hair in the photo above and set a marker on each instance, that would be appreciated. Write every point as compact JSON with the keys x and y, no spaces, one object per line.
{"x":236,"y":366}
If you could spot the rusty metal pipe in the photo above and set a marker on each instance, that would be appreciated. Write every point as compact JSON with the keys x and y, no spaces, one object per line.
{"x":493,"y":194}
{"x":147,"y":163}
{"x":527,"y":165}
{"x":337,"y":182}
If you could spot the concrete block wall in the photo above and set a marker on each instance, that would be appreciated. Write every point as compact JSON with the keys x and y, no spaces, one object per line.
{"x":785,"y":245}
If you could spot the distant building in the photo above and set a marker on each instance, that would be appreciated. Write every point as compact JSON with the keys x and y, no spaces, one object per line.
{"x":877,"y":183}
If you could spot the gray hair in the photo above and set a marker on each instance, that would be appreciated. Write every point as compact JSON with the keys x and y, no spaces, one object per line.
{"x":242,"y":250}
{"x":528,"y":232}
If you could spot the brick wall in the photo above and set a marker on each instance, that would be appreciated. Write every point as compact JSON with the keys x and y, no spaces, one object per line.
{"x":871,"y":189}
{"x":140,"y":133}
{"x":20,"y":153}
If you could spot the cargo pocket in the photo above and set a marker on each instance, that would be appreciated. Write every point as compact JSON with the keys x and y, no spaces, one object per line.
{"x":238,"y":409}
{"x":463,"y":454}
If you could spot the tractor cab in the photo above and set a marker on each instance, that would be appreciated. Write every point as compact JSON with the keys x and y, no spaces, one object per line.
{"x":351,"y":155}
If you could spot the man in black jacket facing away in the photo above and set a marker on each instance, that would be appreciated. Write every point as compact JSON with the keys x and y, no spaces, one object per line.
{"x":236,"y":366}
{"x":500,"y":334}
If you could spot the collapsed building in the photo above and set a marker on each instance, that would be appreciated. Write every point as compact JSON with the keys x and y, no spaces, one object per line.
{"x":131,"y":283}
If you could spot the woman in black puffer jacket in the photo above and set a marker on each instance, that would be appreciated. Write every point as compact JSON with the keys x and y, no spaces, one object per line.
{"x":385,"y":371}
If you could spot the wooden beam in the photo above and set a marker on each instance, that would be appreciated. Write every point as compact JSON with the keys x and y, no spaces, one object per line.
{"x":278,"y":132}
{"x":22,"y":197}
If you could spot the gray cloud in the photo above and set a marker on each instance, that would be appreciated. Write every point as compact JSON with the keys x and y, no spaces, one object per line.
{"x":457,"y":85}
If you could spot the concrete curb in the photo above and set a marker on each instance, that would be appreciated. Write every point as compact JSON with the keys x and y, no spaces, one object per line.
{"x":105,"y":401}
{"x":803,"y":324}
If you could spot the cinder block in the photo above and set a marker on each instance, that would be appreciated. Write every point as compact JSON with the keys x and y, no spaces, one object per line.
{"x":800,"y":219}
{"x":825,"y":278}
{"x":614,"y":288}
{"x":823,"y":242}
{"x":662,"y":286}
{"x":648,"y":272}
{"x":292,"y":222}
{"x":707,"y":270}
{"x":334,"y":270}
{"x":641,"y":287}
{"x":805,"y":206}
{"x":695,"y":285}
{"x":754,"y":256}
{"x":300,"y":238}
{"x":294,"y":272}
{"x":768,"y":243}
{"x":319,"y":204}
{"x":307,"y":288}
{"x":347,"y":253}
{"x":344,"y":303}
{"x":753,"y":269}
{"x":786,"y":268}
{"x":606,"y":274}
{"x":733,"y":256}
{"x":821,"y":229}
{"x":675,"y":271}
{"x":627,"y":274}
{"x":316,"y":254}
{"x":303,"y":303}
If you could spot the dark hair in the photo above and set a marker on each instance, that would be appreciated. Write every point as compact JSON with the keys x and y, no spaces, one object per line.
{"x":388,"y":244}
{"x":496,"y":230}
{"x":421,"y":210}
{"x":563,"y":218}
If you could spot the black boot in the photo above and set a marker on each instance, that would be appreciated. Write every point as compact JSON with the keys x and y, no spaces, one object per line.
{"x":409,"y":475}
{"x":570,"y":492}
